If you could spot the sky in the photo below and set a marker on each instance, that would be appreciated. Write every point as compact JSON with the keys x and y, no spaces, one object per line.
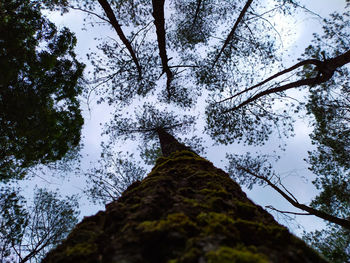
{"x":292,"y":168}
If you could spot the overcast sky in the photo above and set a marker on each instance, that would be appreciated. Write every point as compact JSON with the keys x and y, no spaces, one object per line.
{"x":292,"y":167}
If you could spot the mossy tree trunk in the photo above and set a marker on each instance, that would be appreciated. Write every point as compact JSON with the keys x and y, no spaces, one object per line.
{"x":185,"y":210}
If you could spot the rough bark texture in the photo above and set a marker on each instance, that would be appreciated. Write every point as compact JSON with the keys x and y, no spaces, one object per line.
{"x":185,"y":210}
{"x":169,"y":144}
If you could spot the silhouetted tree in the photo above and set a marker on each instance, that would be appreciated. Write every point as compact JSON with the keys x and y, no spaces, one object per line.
{"x":40,"y":118}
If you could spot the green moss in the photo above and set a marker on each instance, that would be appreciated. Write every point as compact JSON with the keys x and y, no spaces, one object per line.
{"x":160,"y":160}
{"x":189,"y":256}
{"x":229,"y":255}
{"x":194,"y":202}
{"x":176,"y":221}
{"x":221,"y":192}
{"x":85,"y":231}
{"x":184,"y":153}
{"x":217,"y":223}
{"x":176,"y":157}
{"x":212,"y":217}
{"x":251,"y":230}
{"x":154,"y":180}
{"x":81,"y":249}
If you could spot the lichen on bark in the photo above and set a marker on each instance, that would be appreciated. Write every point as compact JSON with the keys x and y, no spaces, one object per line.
{"x":185,"y":210}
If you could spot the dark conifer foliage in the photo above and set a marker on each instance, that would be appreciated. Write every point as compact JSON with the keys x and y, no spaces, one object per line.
{"x":40,"y":119}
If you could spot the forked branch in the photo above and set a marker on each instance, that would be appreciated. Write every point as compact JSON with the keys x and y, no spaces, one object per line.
{"x":336,"y":220}
{"x":325,"y":70}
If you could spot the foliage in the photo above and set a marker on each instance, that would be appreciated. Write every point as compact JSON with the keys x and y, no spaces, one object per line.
{"x":13,"y":220}
{"x":147,"y":119}
{"x":333,"y":242}
{"x":113,"y":175}
{"x":40,"y":119}
{"x":28,"y":232}
{"x":260,"y":165}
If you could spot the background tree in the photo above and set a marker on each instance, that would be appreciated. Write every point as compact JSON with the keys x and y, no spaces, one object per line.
{"x":328,"y":107}
{"x":28,"y":232}
{"x":329,"y":104}
{"x":333,"y":242}
{"x":114,"y":173}
{"x":40,"y":118}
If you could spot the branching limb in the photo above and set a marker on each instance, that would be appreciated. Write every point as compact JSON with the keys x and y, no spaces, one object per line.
{"x":90,"y":13}
{"x":325,"y":70}
{"x":302,"y":63}
{"x":339,"y":221}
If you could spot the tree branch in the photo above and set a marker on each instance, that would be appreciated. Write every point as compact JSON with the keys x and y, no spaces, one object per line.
{"x":325,"y":70}
{"x":302,"y":63}
{"x":339,"y":221}
{"x":114,"y":22}
{"x":199,"y":2}
{"x":287,"y":212}
{"x":159,"y":22}
{"x":233,"y":30}
{"x":90,"y":13}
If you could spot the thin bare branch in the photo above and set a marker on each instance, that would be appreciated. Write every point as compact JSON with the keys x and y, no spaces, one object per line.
{"x":90,"y":13}
{"x":287,"y":212}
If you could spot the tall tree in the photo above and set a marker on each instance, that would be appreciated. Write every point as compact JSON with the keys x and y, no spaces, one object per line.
{"x":13,"y":220}
{"x":40,"y":118}
{"x":185,"y":210}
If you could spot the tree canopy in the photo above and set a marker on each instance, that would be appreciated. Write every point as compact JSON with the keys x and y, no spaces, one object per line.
{"x":40,"y":118}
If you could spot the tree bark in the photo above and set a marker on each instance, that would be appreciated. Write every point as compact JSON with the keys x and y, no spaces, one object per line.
{"x":168,"y":143}
{"x":185,"y":210}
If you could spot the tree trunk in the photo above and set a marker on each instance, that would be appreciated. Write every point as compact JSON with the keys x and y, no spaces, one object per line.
{"x":185,"y":210}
